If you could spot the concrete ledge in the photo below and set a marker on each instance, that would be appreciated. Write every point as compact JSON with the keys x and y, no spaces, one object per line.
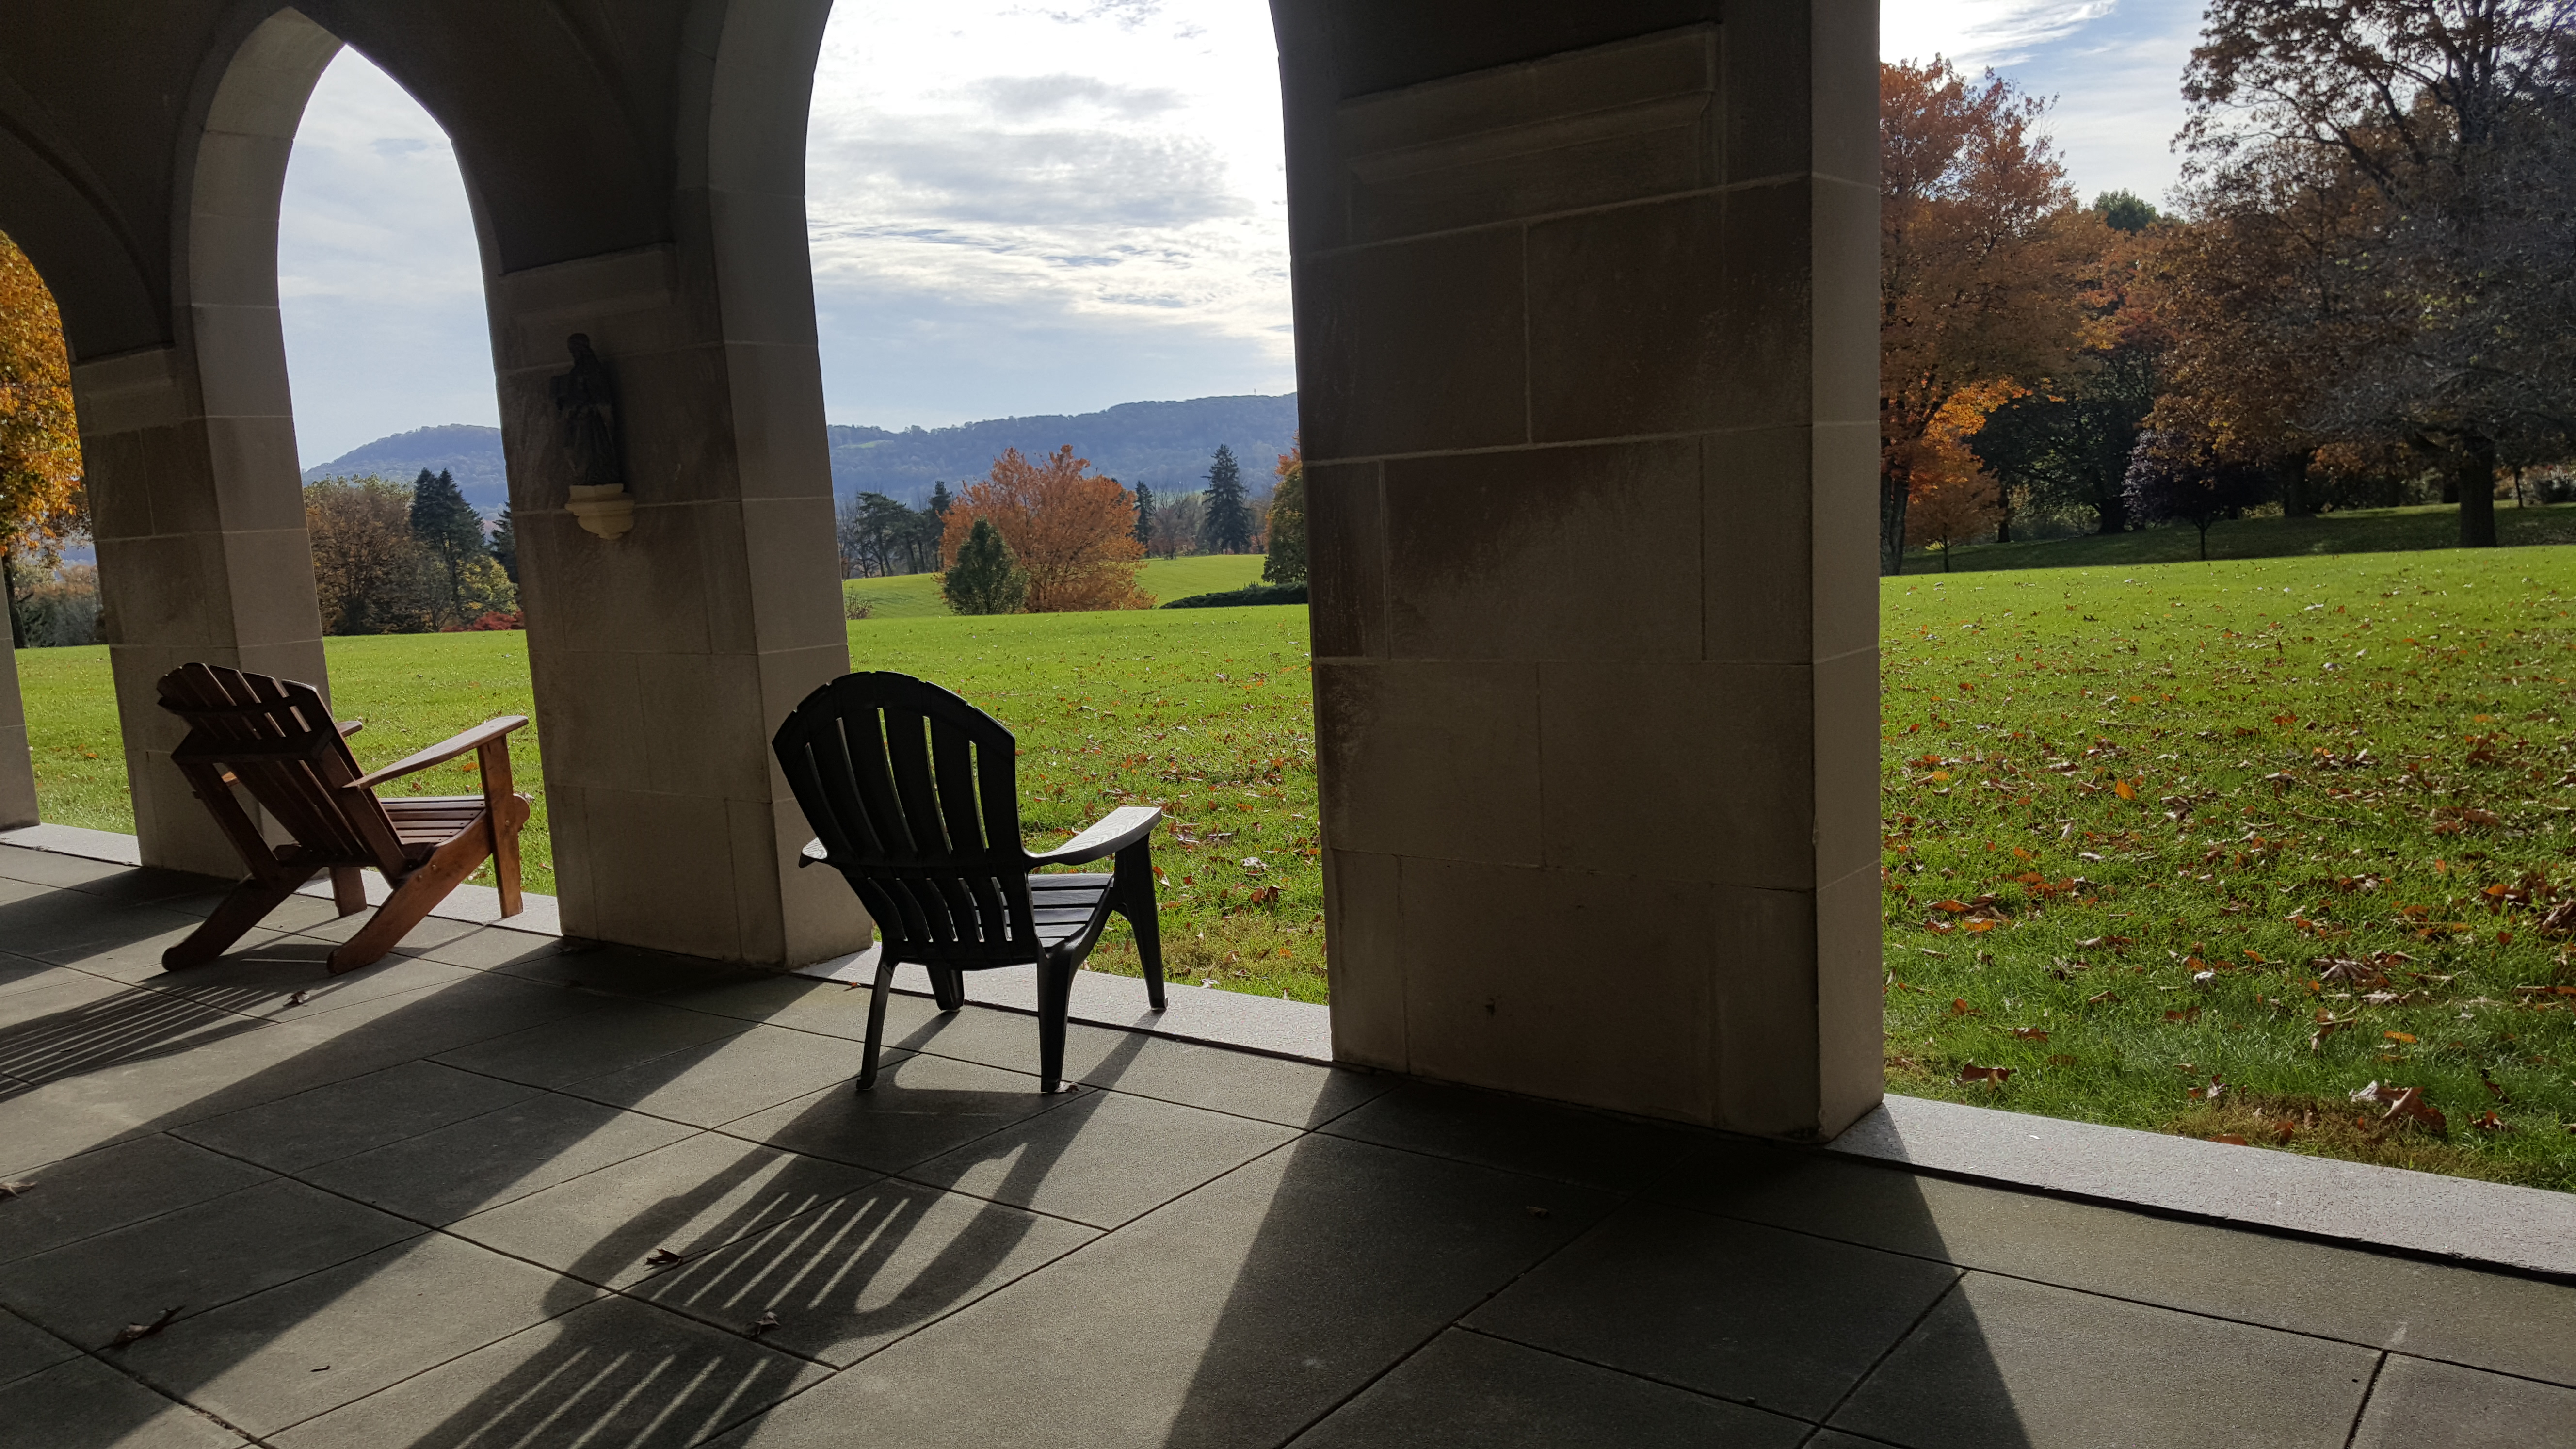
{"x":2352,"y":1204}
{"x":1300,"y":1030}
{"x":104,"y":845}
{"x":479,"y":904}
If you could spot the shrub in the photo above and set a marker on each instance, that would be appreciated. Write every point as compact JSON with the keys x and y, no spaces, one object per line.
{"x":984,"y":578}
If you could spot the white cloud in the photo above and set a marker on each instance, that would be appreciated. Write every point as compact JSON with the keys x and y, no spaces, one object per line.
{"x":379,"y":281}
{"x":1064,"y":208}
{"x":1024,"y":209}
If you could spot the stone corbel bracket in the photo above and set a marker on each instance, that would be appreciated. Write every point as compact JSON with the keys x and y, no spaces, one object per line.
{"x":605,"y":509}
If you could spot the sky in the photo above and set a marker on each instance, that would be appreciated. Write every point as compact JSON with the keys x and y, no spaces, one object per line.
{"x":1017,"y":209}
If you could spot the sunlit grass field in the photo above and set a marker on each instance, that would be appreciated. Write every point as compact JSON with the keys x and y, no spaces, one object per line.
{"x":2212,"y":848}
{"x":2361,"y":530}
{"x":2203,"y":848}
{"x":916,"y":596}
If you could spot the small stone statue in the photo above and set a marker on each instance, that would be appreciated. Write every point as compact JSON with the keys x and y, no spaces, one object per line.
{"x":586,"y":417}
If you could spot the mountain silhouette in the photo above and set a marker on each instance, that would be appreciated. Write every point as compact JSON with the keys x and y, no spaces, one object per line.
{"x":1165,"y":445}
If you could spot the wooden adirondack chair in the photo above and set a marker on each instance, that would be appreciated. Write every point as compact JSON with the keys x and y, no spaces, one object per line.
{"x":276,"y":739}
{"x":913,"y":798}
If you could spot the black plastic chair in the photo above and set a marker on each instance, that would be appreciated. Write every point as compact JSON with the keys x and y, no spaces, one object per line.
{"x":914,"y":799}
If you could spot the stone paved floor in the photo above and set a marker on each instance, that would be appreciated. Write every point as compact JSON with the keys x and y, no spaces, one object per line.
{"x":420,"y":1206}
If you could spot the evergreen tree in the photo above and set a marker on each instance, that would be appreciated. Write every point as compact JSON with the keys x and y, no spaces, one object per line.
{"x":505,"y":544}
{"x":940,"y":498}
{"x":1145,"y":517}
{"x":449,"y":529}
{"x":1229,"y":522}
{"x":985,"y":579}
{"x":1287,"y":561}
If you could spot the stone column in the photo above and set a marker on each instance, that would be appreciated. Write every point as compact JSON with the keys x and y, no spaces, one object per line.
{"x":17,"y":767}
{"x":1588,"y":363}
{"x":195,"y":498}
{"x":663,"y":659}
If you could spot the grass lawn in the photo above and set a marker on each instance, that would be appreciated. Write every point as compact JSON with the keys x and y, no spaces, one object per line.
{"x":916,"y":596}
{"x":2369,"y":530}
{"x":2211,"y":847}
{"x":2203,"y":848}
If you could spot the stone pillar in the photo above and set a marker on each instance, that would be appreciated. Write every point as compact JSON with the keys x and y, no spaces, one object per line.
{"x":195,"y":498}
{"x":663,"y":659}
{"x":1588,"y":364}
{"x":17,"y":766}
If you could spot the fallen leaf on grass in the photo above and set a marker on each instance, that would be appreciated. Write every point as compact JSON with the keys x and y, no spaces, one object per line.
{"x":664,"y":1258}
{"x":2491,"y":1123}
{"x":1996,"y":1075}
{"x":2399,"y":1036}
{"x":2030,"y":1033}
{"x":2101,"y":999}
{"x":133,"y":1332}
{"x":2061,"y":1059}
{"x":1954,"y":907}
{"x":2231,"y":1139}
{"x":1959,"y":1007}
{"x":2185,"y":1016}
{"x":2406,"y":1102}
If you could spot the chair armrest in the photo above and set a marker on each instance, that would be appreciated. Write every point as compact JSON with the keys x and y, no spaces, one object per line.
{"x":1108,"y":835}
{"x":445,"y":750}
{"x":350,"y":727}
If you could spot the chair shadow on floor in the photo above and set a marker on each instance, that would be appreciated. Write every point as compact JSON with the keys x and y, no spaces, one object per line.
{"x":841,"y":1277}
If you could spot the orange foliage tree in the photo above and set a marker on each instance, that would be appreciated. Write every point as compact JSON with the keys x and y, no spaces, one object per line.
{"x":41,"y":499}
{"x":1978,"y":259}
{"x":1953,"y":500}
{"x":1071,"y":530}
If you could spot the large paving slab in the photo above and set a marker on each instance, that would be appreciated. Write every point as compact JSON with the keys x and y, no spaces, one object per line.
{"x":2417,"y":1403}
{"x":302,"y":1349}
{"x":483,"y":1162}
{"x":1236,"y":1315}
{"x":1465,"y":1389}
{"x":1753,"y":1314}
{"x":84,"y":1404}
{"x":2000,"y":1361}
{"x":689,"y":1198}
{"x":865,"y":1269}
{"x":611,"y":1372}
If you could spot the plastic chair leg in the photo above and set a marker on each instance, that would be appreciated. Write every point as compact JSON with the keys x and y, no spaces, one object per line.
{"x":1134,"y":885}
{"x":876,"y":1022}
{"x":1055,"y":1002}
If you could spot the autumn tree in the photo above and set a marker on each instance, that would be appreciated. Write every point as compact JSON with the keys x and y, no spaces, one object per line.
{"x":2063,"y":442}
{"x":1955,"y":500}
{"x":1071,"y":530}
{"x":2446,"y":132}
{"x":370,"y":575}
{"x":41,"y":497}
{"x":1286,"y":563}
{"x":1177,"y":525}
{"x":1977,"y":260}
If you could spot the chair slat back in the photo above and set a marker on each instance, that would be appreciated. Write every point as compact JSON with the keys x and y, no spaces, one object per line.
{"x":280,"y":742}
{"x":913,"y":791}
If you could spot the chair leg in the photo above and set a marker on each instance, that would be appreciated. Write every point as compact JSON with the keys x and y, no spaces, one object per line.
{"x":1055,"y":1002}
{"x":948,"y":987}
{"x":348,"y":889}
{"x":248,"y":905}
{"x":411,"y":901}
{"x":876,"y":1021}
{"x":1134,"y":885}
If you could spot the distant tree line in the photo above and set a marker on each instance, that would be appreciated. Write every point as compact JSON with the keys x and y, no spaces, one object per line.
{"x":394,"y":558}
